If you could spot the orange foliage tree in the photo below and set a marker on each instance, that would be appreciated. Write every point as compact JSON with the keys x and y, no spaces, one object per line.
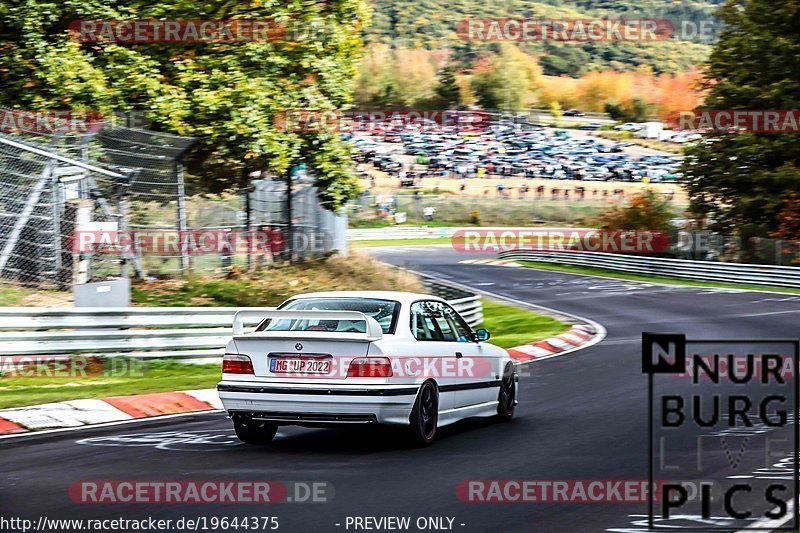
{"x":668,"y":94}
{"x":789,"y":219}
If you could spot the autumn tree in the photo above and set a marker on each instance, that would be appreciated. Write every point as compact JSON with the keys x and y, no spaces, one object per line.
{"x":644,"y":211}
{"x":789,"y":219}
{"x":225,"y":93}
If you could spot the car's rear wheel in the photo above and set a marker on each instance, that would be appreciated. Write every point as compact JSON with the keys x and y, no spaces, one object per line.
{"x":254,"y":432}
{"x":425,"y":415}
{"x":507,"y":398}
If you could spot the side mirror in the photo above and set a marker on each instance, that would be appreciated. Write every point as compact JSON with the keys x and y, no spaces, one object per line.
{"x":482,"y":335}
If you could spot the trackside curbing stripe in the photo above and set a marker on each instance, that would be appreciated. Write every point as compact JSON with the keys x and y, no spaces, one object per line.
{"x":493,"y":262}
{"x":7,"y":427}
{"x":577,"y":337}
{"x":72,"y":413}
{"x":156,"y":404}
{"x":208,"y":396}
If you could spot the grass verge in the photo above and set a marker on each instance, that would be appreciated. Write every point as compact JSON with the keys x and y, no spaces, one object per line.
{"x":591,"y":271}
{"x":511,"y":326}
{"x":398,"y":242}
{"x":127,"y":377}
{"x":18,"y":296}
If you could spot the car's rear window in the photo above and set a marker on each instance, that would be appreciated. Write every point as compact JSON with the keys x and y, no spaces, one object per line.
{"x":383,"y":311}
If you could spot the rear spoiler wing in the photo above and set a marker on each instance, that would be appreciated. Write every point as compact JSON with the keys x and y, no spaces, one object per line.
{"x":373,"y":333}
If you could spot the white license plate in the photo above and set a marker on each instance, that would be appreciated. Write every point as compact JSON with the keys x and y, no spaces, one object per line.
{"x":297,"y":366}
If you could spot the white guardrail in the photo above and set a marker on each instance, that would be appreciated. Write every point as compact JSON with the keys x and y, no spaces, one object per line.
{"x":741,"y":273}
{"x":186,"y":333}
{"x":424,"y":232}
{"x":400,"y":232}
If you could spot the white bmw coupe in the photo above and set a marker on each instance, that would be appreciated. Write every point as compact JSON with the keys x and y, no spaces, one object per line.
{"x":374,"y":357}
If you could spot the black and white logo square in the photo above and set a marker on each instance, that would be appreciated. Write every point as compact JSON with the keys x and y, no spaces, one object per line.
{"x":663,"y":353}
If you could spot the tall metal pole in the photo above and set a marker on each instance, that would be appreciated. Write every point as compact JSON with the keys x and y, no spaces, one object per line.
{"x":57,"y":248}
{"x":289,"y":225}
{"x":248,"y":226}
{"x":182,"y":224}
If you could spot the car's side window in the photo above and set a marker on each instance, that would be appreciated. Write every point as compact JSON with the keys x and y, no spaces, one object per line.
{"x":436,"y":321}
{"x":462,"y":330}
{"x":423,"y":327}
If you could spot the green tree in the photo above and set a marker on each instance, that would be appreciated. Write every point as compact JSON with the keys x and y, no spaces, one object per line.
{"x":567,"y":60}
{"x":447,"y":90}
{"x":740,"y":181}
{"x":225,"y":93}
{"x":636,"y":111}
{"x":508,"y":81}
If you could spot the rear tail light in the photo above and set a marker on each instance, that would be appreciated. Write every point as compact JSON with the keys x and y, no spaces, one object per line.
{"x":370,"y":367}
{"x":236,"y":364}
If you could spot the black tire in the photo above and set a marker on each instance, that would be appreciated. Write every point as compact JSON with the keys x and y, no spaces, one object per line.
{"x":253,"y":432}
{"x":425,"y":415}
{"x":507,"y":397}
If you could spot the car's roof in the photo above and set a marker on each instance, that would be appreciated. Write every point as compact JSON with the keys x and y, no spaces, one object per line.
{"x":402,"y":297}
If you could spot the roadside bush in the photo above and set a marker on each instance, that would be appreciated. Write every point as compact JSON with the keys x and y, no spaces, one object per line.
{"x":646,"y":211}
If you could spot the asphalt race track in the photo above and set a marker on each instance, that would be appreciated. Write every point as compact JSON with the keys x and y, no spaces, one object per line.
{"x":583,"y":416}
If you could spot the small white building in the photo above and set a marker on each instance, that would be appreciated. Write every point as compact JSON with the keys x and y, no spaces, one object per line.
{"x":650,"y":130}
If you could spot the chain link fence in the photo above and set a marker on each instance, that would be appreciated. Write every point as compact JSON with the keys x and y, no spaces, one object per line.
{"x":112,"y":203}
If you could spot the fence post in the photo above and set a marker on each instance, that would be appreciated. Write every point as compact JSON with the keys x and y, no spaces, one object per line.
{"x":248,"y":226}
{"x":289,"y":226}
{"x":83,"y":268}
{"x":182,"y":223}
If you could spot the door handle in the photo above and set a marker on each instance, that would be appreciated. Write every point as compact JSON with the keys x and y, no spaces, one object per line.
{"x":459,"y":355}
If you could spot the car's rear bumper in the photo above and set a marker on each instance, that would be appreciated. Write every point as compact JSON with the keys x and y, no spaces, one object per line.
{"x":319,"y":404}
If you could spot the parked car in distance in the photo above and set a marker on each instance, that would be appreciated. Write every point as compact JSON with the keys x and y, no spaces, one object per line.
{"x":629,"y":126}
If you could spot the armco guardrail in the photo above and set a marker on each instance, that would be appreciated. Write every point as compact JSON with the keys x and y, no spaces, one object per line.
{"x":423,"y":232}
{"x":466,"y":303}
{"x":768,"y":275}
{"x":185,"y":333}
{"x":399,"y":232}
{"x":140,"y":332}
